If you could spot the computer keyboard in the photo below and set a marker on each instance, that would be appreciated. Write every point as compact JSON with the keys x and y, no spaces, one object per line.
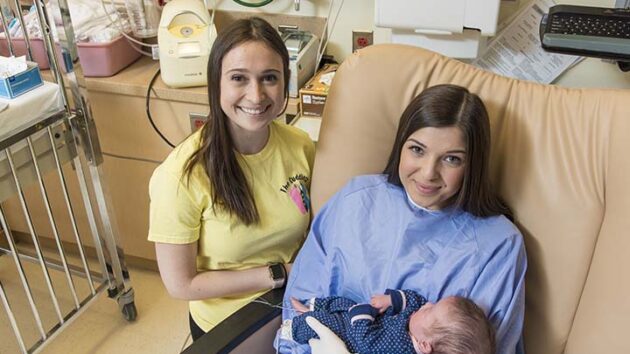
{"x":587,"y":31}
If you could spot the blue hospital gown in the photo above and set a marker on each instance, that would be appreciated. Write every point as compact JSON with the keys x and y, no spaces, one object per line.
{"x":361,"y":327}
{"x":369,"y":237}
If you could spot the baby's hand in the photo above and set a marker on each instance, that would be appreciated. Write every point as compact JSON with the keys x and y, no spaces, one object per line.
{"x":381,"y":302}
{"x":299,"y":307}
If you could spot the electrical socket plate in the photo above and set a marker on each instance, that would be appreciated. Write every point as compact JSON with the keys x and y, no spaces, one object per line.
{"x":361,"y":39}
{"x":197,"y":120}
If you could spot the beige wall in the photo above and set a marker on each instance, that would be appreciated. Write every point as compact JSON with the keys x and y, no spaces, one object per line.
{"x":359,"y":14}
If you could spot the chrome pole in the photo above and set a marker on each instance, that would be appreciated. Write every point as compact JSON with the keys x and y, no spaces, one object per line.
{"x":87,"y":204}
{"x":53,"y":224}
{"x":75,"y":229}
{"x":49,"y":42}
{"x":5,"y":25}
{"x":16,"y":329}
{"x":31,"y":229}
{"x":18,"y":265}
{"x":27,"y":42}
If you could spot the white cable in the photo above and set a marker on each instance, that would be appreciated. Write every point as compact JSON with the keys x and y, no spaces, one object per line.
{"x":120,"y":27}
{"x":265,"y":302}
{"x":321,"y":38}
{"x":214,"y":11}
{"x":136,"y":48}
{"x":122,"y":30}
{"x":323,"y":44}
{"x":332,"y":30}
{"x":185,"y":341}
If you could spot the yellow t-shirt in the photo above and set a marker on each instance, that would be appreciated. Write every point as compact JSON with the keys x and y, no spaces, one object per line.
{"x":181,"y":213}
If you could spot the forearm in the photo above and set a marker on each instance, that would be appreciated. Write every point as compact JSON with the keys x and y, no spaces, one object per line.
{"x":179,"y":274}
{"x":220,"y":283}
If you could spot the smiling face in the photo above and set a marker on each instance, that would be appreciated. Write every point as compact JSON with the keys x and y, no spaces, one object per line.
{"x":252,"y":90}
{"x":432,"y":166}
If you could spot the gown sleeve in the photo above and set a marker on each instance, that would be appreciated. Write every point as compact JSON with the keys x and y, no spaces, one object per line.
{"x":500,"y":288}
{"x":310,"y":274}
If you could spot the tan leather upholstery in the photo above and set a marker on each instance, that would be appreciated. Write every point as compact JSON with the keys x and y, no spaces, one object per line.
{"x":560,"y":159}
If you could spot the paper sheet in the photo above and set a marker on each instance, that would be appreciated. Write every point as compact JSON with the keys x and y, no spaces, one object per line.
{"x":516,"y":50}
{"x":12,"y":66}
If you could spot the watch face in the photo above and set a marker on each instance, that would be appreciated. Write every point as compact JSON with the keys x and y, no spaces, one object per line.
{"x":276,"y":271}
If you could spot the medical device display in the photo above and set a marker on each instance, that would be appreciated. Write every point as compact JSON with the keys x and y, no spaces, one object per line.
{"x":185,"y":37}
{"x":587,"y":31}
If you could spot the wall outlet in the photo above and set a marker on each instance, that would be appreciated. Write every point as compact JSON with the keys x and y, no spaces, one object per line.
{"x":197,"y":120}
{"x":361,"y":39}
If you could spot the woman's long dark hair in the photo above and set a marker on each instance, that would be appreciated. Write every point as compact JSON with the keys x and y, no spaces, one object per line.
{"x":454,"y":106}
{"x":228,"y":184}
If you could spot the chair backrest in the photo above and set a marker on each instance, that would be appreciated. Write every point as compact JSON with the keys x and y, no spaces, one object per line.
{"x":559,"y":159}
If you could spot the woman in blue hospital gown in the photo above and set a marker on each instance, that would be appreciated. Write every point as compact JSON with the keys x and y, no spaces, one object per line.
{"x":431,"y":222}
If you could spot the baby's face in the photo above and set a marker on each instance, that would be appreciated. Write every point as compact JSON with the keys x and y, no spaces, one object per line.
{"x":421,"y":321}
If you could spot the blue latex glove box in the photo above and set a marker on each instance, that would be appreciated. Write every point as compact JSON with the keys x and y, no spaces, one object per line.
{"x":23,"y":82}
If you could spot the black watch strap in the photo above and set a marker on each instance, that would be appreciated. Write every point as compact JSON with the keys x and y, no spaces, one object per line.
{"x":278,"y":274}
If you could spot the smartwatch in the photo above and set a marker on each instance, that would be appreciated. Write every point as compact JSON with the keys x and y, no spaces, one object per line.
{"x":278,"y":274}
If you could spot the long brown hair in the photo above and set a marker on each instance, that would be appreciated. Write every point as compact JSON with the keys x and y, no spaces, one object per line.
{"x":229,"y":188}
{"x":447,"y":106}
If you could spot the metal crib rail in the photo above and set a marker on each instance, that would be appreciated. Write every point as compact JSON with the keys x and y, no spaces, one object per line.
{"x":46,"y":146}
{"x":27,"y":156}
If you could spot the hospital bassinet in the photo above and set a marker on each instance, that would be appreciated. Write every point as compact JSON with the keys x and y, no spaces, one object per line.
{"x":49,"y":148}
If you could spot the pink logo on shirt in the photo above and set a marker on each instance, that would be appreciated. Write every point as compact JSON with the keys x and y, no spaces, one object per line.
{"x":295,"y":188}
{"x":295,"y":193}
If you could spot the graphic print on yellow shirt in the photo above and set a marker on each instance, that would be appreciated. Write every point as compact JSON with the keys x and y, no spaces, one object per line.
{"x":298,"y":192}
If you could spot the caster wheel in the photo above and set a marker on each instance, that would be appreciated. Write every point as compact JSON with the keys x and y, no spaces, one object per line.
{"x":129,"y":311}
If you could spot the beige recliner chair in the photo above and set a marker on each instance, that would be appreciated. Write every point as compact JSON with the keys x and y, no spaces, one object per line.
{"x":560,"y":159}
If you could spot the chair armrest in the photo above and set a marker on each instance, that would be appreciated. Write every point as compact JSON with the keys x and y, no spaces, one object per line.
{"x":242,"y":324}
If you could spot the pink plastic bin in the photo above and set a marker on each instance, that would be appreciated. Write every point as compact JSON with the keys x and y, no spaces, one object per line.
{"x":106,"y":59}
{"x":97,"y":59}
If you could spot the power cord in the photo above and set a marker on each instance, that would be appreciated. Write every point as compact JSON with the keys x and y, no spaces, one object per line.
{"x":131,"y":158}
{"x":148,"y":99}
{"x":323,"y":42}
{"x":265,"y":302}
